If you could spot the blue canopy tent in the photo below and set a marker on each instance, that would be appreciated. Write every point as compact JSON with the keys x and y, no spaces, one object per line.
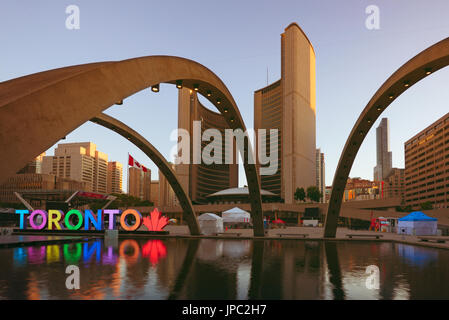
{"x":417,"y":223}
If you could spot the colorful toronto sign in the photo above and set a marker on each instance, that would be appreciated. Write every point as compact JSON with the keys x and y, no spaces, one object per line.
{"x":57,"y":220}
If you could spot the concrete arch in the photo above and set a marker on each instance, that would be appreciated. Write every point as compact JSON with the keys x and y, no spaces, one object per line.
{"x":158,"y":159}
{"x":416,"y":69}
{"x":38,"y":110}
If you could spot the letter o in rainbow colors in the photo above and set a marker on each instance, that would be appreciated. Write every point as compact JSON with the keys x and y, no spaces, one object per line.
{"x":44,"y":219}
{"x":67,"y":221}
{"x":136,"y":215}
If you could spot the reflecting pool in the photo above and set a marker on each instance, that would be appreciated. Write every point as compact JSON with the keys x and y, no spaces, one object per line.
{"x":226,"y":269}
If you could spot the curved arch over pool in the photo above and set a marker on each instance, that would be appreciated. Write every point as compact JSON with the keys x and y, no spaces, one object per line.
{"x":38,"y":110}
{"x":159,"y":160}
{"x":416,"y":69}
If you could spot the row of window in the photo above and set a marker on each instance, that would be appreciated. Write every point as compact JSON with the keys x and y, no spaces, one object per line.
{"x":430,"y":131}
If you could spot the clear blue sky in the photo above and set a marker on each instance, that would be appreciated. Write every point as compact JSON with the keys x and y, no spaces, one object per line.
{"x":238,"y":40}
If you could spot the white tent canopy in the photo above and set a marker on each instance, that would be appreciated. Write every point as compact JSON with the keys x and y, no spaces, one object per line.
{"x":210,"y":223}
{"x":236,"y":215}
{"x":209,"y":217}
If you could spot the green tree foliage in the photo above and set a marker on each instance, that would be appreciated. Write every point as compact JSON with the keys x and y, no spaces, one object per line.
{"x":404,"y":209}
{"x":12,"y":205}
{"x":426,"y":205}
{"x":123,"y":200}
{"x":314,"y":194}
{"x":300,"y":194}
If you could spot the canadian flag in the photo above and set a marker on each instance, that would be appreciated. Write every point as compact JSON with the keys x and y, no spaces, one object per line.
{"x":133,"y":163}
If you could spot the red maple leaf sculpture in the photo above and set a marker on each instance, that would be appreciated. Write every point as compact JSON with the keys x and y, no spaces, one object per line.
{"x":156,"y":222}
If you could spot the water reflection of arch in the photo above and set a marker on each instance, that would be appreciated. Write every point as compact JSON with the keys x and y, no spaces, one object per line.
{"x":204,"y":258}
{"x":184,"y":272}
{"x":416,"y":69}
{"x":335,"y":274}
{"x":53,"y":103}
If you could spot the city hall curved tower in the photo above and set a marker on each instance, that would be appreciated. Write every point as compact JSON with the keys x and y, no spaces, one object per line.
{"x":289,"y":105}
{"x":201,"y":180}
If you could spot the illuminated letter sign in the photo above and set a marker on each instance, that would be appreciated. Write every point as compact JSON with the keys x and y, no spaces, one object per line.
{"x":67,"y":220}
{"x":43,"y":214}
{"x":57,"y":220}
{"x":89,"y":216}
{"x":137,"y":216}
{"x":53,"y":218}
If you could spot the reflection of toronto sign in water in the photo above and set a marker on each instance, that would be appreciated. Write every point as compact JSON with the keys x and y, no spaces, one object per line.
{"x":74,"y":253}
{"x":57,"y":220}
{"x":154,"y":250}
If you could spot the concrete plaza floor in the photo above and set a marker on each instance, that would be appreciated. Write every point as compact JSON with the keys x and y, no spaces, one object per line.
{"x":175,"y":231}
{"x":317,"y":233}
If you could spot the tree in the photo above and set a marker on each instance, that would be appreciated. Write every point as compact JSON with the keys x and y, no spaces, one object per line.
{"x":314,"y":194}
{"x":300,"y":194}
{"x":426,"y":205}
{"x":123,"y":201}
{"x":12,"y":205}
{"x":404,"y":208}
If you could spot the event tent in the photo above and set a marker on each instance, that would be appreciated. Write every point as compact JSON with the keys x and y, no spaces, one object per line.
{"x":417,"y":223}
{"x":236,"y":215}
{"x":210,"y":223}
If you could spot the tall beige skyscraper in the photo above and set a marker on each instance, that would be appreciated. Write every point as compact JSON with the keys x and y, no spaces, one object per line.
{"x":384,"y":156}
{"x":200,"y":180}
{"x":162,"y":194}
{"x":289,"y":106}
{"x":167,"y":196}
{"x":80,"y":162}
{"x":139,"y":183}
{"x":154,"y":193}
{"x":115,"y":177}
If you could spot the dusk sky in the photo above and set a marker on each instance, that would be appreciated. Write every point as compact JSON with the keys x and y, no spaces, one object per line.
{"x":239,"y":40}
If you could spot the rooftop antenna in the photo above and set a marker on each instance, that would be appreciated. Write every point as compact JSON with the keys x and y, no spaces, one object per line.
{"x":267,"y":76}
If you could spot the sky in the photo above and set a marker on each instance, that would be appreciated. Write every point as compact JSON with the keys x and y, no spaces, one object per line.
{"x":239,"y":41}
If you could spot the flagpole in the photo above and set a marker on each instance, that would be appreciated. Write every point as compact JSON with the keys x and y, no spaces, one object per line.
{"x":127,"y":165}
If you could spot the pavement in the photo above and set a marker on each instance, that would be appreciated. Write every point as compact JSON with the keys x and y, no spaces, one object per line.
{"x":314,"y":233}
{"x":317,"y":233}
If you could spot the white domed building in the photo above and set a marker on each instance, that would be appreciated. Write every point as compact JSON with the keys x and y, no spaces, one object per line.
{"x":239,"y":195}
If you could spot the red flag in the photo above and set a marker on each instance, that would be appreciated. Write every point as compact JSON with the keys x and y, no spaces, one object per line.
{"x":133,"y":163}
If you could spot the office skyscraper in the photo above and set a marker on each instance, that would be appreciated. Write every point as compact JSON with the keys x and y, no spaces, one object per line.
{"x":80,"y":162}
{"x":115,"y":177}
{"x":34,"y":166}
{"x":426,"y":176}
{"x":289,"y":106}
{"x":139,"y":183}
{"x":167,"y":197}
{"x":384,"y":155}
